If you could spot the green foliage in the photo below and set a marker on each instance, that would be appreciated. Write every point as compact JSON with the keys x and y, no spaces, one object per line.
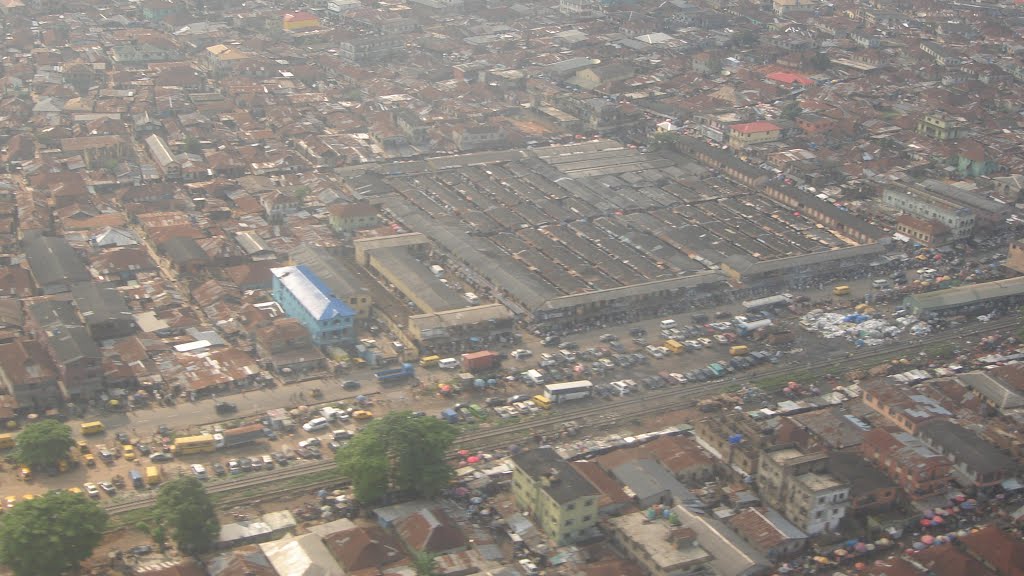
{"x":50,"y":534}
{"x":43,"y":443}
{"x":185,"y":510}
{"x":791,"y":110}
{"x":745,"y":38}
{"x":424,"y":563}
{"x":193,"y":146}
{"x":398,"y":452}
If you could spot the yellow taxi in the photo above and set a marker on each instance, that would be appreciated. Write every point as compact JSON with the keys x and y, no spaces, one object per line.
{"x":83,"y":447}
{"x":10,"y":501}
{"x":362,"y":415}
{"x":25,"y":473}
{"x":28,"y":497}
{"x":90,"y":460}
{"x":128,"y":451}
{"x":75,"y":490}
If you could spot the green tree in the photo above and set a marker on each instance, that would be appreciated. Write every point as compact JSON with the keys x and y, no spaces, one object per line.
{"x":43,"y":443}
{"x":791,"y":110}
{"x":821,"y":61}
{"x":50,"y":534}
{"x":398,"y":452}
{"x":185,"y":510}
{"x":193,"y":145}
{"x":424,"y":563}
{"x":745,"y":38}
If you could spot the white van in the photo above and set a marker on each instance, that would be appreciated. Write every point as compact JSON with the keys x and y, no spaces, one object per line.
{"x":621,"y":388}
{"x":667,"y":324}
{"x":880,"y":283}
{"x":472,"y":298}
{"x":533,"y":377}
{"x":448,"y":363}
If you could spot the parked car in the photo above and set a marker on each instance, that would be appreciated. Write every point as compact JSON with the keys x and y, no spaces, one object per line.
{"x":521,"y":354}
{"x":218,"y":469}
{"x":199,"y":471}
{"x":109,"y":488}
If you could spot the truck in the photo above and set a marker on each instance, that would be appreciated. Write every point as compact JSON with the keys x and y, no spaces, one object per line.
{"x":479,"y":361}
{"x":238,"y":436}
{"x":746,"y":328}
{"x":396,"y":374}
{"x":768,"y":303}
{"x":717,"y":368}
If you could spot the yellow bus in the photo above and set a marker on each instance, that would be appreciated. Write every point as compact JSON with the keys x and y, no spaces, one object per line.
{"x":738,"y":350}
{"x":200,"y":444}
{"x":429,"y":361}
{"x":674,"y":346}
{"x":542,"y":401}
{"x":152,"y":475}
{"x":840,"y":290}
{"x":92,"y":428}
{"x":6,"y":441}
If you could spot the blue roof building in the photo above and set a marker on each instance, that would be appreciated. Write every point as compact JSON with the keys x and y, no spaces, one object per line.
{"x":303,"y":296}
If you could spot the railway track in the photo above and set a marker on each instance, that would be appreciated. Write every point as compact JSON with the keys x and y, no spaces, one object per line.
{"x":603,"y":413}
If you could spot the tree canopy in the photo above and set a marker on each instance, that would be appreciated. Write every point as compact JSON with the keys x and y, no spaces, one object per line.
{"x":185,"y":509}
{"x":399,"y":452}
{"x":43,"y":443}
{"x":50,"y":534}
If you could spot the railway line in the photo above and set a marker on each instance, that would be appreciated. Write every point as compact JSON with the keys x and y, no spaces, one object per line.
{"x":597,"y":413}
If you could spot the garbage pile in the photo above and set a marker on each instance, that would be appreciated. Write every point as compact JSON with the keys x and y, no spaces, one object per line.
{"x":861,"y":329}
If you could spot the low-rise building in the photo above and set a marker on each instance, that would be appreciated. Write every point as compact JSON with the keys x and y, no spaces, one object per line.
{"x":103,"y":310}
{"x":54,"y":264}
{"x":768,"y":533}
{"x":662,"y":547}
{"x":931,"y":233}
{"x":974,"y":460}
{"x":752,"y":133}
{"x":351,"y":217}
{"x":28,"y":375}
{"x":288,"y":346}
{"x":560,"y":500}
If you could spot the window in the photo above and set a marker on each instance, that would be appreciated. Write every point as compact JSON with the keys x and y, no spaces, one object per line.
{"x":568,"y":522}
{"x":571,"y":506}
{"x":586,"y":518}
{"x":589,"y":502}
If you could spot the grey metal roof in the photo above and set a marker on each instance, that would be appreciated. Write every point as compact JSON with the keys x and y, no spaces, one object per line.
{"x":571,"y":485}
{"x":71,"y":343}
{"x":966,"y":447}
{"x":334,"y":273}
{"x":961,"y":295}
{"x":997,"y":392}
{"x":54,"y":261}
{"x":182,"y":249}
{"x":53,"y":313}
{"x":98,"y":303}
{"x":647,"y":478}
{"x":420,"y":280}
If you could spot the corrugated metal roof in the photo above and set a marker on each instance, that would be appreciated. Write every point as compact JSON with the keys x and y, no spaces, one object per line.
{"x":311,"y":293}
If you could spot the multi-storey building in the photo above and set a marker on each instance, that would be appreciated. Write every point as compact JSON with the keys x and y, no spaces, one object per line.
{"x":920,"y":471}
{"x":800,"y":486}
{"x":560,"y":500}
{"x":960,"y":219}
{"x":303,"y":296}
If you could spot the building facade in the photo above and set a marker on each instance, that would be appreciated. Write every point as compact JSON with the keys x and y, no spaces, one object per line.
{"x":920,"y":472}
{"x":800,"y":486}
{"x":560,"y":500}
{"x":303,"y":296}
{"x":959,"y":219}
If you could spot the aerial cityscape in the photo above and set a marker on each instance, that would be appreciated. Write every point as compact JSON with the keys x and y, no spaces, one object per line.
{"x":551,"y":287}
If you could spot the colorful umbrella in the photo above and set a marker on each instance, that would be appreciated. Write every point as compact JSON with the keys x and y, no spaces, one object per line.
{"x":929,"y":514}
{"x":473,"y":459}
{"x":860,"y":566}
{"x":938,"y":520}
{"x":840,"y":552}
{"x":860,"y":547}
{"x":926,"y":522}
{"x":919,"y":546}
{"x":928,"y":539}
{"x":463,"y":452}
